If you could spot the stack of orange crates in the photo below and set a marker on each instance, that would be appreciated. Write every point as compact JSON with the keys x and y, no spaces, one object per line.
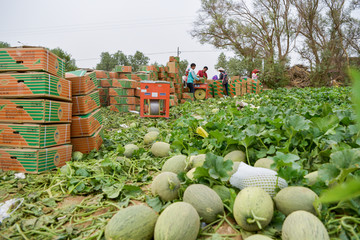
{"x":35,"y":110}
{"x":86,"y":127}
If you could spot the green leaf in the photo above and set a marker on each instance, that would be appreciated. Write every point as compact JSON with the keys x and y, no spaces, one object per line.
{"x":82,"y":172}
{"x":297,"y":123}
{"x":355,"y":76}
{"x":113,"y":191}
{"x":342,"y":192}
{"x":326,"y":123}
{"x":154,"y":203}
{"x":131,"y":191}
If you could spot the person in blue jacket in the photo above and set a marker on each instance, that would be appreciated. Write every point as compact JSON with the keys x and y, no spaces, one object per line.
{"x":191,"y":77}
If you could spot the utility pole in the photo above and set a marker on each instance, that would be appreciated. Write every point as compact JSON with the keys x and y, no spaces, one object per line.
{"x":178,"y":52}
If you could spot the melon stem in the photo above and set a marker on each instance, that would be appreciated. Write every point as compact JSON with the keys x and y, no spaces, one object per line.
{"x":255,"y":219}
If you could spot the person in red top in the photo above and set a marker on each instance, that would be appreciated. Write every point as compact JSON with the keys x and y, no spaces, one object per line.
{"x":202,"y":73}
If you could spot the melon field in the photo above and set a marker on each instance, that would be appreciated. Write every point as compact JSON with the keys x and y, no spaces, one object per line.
{"x":176,"y":180}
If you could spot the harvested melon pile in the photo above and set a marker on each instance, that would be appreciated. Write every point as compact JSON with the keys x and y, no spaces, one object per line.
{"x":280,"y":170}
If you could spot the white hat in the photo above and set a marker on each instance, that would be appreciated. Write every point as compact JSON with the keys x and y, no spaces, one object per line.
{"x":221,"y":69}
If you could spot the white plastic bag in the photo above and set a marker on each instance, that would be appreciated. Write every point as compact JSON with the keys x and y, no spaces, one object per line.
{"x":248,"y":176}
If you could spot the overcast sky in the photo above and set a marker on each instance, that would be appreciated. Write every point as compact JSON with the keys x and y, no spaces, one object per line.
{"x":85,"y":28}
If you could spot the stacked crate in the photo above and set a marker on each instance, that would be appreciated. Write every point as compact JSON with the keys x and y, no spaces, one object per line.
{"x":86,"y":130}
{"x":123,"y":89}
{"x":217,"y":89}
{"x":173,"y":73}
{"x":104,"y":82}
{"x":35,"y":110}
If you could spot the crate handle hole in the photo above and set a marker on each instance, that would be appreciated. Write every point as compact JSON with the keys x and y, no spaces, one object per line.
{"x":21,"y":81}
{"x":21,"y":107}
{"x":12,"y":157}
{"x":18,"y":62}
{"x":16,"y":132}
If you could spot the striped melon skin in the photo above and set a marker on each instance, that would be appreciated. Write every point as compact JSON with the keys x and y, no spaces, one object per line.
{"x":179,"y":221}
{"x":166,"y":185}
{"x":253,"y":201}
{"x":303,"y":225}
{"x":175,"y":164}
{"x":294,"y":198}
{"x":206,"y":201}
{"x":135,"y":222}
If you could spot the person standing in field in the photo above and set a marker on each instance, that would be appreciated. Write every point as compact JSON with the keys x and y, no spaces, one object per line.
{"x":254,"y":74}
{"x":225,"y":80}
{"x":202,"y":73}
{"x":191,"y":77}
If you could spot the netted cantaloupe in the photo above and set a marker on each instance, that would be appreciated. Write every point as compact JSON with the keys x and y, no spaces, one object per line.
{"x":179,"y":221}
{"x":166,"y":185}
{"x":294,"y":198}
{"x":234,"y":168}
{"x":150,"y":137}
{"x":235,"y":156}
{"x":312,"y":178}
{"x":197,"y":160}
{"x":190,"y":173}
{"x":175,"y":164}
{"x":135,"y":222}
{"x":206,"y":201}
{"x":130,"y":149}
{"x":253,"y":209}
{"x":303,"y":225}
{"x":160,"y":149}
{"x":258,"y":237}
{"x":264,"y":163}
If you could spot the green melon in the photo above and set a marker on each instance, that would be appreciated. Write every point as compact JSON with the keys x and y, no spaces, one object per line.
{"x":235,"y":156}
{"x":160,"y":149}
{"x":150,"y":137}
{"x":166,"y":185}
{"x":135,"y":222}
{"x":206,"y":201}
{"x":222,"y":191}
{"x":264,"y":163}
{"x":190,"y":173}
{"x":312,"y":178}
{"x":258,"y":237}
{"x":303,"y":225}
{"x":294,"y":198}
{"x":197,"y":160}
{"x":175,"y":164}
{"x":153,"y":129}
{"x":253,"y":209}
{"x":234,"y":168}
{"x":130,"y":149}
{"x":179,"y":221}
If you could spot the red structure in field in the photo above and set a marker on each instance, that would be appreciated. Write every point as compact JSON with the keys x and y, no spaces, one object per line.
{"x":154,"y":99}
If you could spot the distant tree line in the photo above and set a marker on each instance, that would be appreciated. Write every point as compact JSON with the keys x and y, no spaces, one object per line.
{"x":324,"y":33}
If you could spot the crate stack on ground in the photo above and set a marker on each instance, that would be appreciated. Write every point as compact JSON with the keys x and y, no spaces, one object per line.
{"x":173,"y":70}
{"x":35,"y":110}
{"x":86,"y":129}
{"x":122,"y":90}
{"x":104,"y":82}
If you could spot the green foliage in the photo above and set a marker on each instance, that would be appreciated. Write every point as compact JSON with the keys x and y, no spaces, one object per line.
{"x":4,"y":44}
{"x":109,"y":61}
{"x":70,"y":64}
{"x":274,"y":75}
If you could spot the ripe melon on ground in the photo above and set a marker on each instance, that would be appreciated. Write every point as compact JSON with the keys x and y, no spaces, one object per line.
{"x":166,"y":185}
{"x":135,"y":222}
{"x":153,"y":129}
{"x":160,"y":149}
{"x":253,"y":209}
{"x":294,"y":198}
{"x":175,"y":164}
{"x":197,"y":160}
{"x":235,"y":156}
{"x":303,"y":225}
{"x":258,"y":237}
{"x":150,"y":137}
{"x":234,"y":168}
{"x":206,"y":201}
{"x":179,"y":221}
{"x":130,"y":149}
{"x":264,"y":163}
{"x":312,"y":177}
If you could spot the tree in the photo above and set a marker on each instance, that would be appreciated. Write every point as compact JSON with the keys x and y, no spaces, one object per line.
{"x":4,"y":44}
{"x":264,"y":31}
{"x":222,"y":62}
{"x":237,"y":66}
{"x":70,"y":64}
{"x":183,"y":65}
{"x":109,"y":61}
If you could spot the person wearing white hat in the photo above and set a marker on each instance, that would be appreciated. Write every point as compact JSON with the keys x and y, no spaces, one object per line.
{"x":225,"y":80}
